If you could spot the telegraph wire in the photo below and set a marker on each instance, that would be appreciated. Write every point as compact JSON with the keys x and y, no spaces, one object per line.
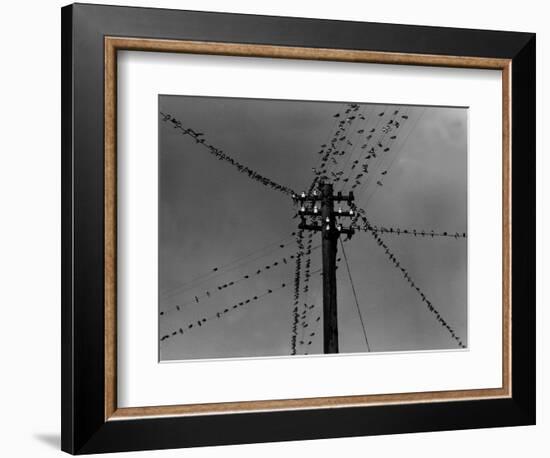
{"x":330,"y":151}
{"x":365,"y":117}
{"x":222,"y":156}
{"x":372,"y":138}
{"x":218,"y":271}
{"x":305,"y":289}
{"x":210,"y":292}
{"x":218,"y":315}
{"x":297,"y":278}
{"x":392,"y":230}
{"x":375,"y":159}
{"x":395,"y":156}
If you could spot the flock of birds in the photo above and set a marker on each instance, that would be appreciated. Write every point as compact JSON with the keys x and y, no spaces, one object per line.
{"x":349,"y":160}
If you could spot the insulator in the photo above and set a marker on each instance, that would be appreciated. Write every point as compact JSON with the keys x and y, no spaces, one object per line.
{"x":339,"y":227}
{"x":328,"y":227}
{"x":339,"y":209}
{"x":303,"y":194}
{"x":315,"y":209}
{"x":303,"y":209}
{"x":328,"y":220}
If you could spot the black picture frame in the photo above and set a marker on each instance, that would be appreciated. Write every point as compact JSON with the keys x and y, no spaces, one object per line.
{"x":84,"y":427}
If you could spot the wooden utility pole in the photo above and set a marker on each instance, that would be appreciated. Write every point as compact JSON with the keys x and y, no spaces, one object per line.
{"x":330,"y":240}
{"x":326,"y":221}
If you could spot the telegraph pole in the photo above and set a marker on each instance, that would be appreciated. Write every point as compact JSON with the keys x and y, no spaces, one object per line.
{"x":326,"y":221}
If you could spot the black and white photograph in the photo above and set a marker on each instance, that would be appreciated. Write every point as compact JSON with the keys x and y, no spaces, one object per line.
{"x":275,"y":229}
{"x":291,"y":227}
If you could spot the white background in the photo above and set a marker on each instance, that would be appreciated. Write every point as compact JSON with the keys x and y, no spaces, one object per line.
{"x":142,"y":381}
{"x":30,"y":229}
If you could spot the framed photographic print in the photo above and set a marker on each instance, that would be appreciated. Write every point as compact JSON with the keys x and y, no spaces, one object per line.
{"x":281,"y":228}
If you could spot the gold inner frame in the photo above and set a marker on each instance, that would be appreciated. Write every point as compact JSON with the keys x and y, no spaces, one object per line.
{"x":114,"y":44}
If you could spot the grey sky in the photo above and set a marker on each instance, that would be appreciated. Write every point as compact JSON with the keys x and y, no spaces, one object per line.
{"x":211,"y":215}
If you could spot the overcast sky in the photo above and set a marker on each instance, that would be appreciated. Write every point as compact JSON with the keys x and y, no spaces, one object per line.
{"x":210,"y":215}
